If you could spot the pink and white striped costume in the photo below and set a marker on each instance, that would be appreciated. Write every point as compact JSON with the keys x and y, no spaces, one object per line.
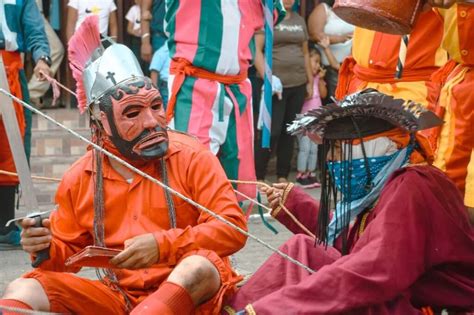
{"x":215,"y":38}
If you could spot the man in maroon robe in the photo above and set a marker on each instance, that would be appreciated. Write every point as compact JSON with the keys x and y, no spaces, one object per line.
{"x":399,"y":241}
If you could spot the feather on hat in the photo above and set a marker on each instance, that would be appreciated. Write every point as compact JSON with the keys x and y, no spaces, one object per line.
{"x":81,"y":46}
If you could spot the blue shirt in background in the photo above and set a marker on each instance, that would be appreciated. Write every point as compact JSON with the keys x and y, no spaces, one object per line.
{"x":161,"y":62}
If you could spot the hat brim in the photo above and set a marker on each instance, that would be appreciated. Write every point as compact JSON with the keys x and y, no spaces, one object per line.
{"x":364,"y":114}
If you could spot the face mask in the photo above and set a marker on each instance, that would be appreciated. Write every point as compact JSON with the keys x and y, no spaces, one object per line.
{"x":137,"y":123}
{"x":358,"y":175}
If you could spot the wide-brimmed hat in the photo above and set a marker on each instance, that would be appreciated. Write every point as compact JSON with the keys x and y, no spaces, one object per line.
{"x":363,"y":114}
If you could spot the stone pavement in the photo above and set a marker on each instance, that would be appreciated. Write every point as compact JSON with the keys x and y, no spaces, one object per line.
{"x":53,"y":151}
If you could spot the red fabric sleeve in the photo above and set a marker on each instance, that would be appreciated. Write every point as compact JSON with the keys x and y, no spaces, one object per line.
{"x":209,"y":187}
{"x":303,"y":207}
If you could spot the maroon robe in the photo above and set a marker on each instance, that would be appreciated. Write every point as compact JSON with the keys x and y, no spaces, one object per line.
{"x":417,"y":250}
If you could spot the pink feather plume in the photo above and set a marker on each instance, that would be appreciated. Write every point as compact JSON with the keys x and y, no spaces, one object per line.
{"x":82,"y":44}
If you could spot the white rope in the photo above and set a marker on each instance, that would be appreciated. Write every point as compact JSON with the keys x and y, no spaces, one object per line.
{"x":159,"y":183}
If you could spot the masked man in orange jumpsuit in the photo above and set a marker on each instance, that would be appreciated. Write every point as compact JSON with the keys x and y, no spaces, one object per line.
{"x":174,"y":256}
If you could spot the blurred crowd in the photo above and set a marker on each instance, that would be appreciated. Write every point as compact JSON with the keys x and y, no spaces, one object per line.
{"x":307,"y":55}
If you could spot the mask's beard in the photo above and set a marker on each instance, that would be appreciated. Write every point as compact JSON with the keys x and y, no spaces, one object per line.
{"x":149,"y":145}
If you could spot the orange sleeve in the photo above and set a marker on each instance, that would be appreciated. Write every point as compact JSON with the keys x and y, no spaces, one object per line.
{"x":209,"y":187}
{"x":68,"y":236}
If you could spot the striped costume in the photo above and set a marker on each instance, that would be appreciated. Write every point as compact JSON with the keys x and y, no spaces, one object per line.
{"x":210,"y":96}
{"x":455,"y":154}
{"x":374,"y":60}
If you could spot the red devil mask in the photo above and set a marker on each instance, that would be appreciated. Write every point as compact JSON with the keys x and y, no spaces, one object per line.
{"x":134,"y":120}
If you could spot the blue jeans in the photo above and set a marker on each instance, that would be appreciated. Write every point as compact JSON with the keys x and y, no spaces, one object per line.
{"x":307,"y":155}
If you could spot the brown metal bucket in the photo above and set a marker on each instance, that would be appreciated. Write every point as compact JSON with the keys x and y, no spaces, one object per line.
{"x":387,"y":16}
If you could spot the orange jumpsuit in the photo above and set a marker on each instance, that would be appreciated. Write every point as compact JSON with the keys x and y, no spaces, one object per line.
{"x":139,"y":208}
{"x":375,"y":56}
{"x":455,"y":154}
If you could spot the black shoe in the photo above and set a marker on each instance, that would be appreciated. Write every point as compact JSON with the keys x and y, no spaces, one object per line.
{"x":312,"y":182}
{"x":303,"y":181}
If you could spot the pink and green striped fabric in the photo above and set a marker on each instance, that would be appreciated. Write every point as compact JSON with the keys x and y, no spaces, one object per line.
{"x":215,"y":34}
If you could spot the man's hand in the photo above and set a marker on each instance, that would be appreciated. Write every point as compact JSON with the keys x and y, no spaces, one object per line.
{"x":146,"y":51}
{"x":314,"y":137}
{"x":325,"y":42}
{"x":274,"y":194}
{"x":309,"y":90}
{"x":322,"y":73}
{"x":342,"y":38}
{"x":441,"y":3}
{"x":277,"y":87}
{"x":34,"y":239}
{"x":42,"y":67}
{"x":140,"y":252}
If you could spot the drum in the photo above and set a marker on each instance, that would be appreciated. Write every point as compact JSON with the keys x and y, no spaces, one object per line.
{"x":387,"y":16}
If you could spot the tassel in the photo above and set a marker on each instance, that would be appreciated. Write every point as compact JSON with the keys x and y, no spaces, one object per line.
{"x":54,"y":87}
{"x":82,"y":44}
{"x":260,"y":211}
{"x":402,"y":56}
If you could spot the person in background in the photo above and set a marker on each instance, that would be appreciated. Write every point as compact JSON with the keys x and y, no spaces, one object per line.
{"x":21,"y":30}
{"x":134,"y":30}
{"x":307,"y":150}
{"x":324,"y":22}
{"x":455,"y":140}
{"x":78,"y":10}
{"x":210,"y":44}
{"x":160,"y":71}
{"x":36,"y":87}
{"x":375,"y":55}
{"x":152,"y":26}
{"x":292,"y":66}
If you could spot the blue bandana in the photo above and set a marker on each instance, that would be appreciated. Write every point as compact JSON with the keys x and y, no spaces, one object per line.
{"x":382,"y":171}
{"x":358,"y":174}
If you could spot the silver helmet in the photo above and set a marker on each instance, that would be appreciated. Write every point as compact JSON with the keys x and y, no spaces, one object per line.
{"x":107,"y":68}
